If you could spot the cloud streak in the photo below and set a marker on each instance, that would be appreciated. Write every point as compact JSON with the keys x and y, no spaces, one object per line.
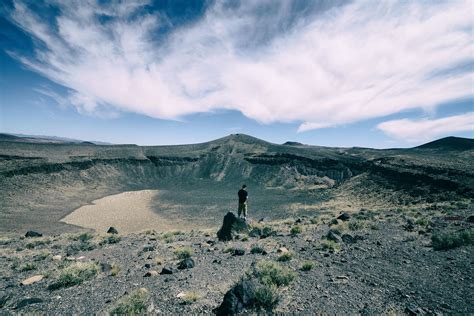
{"x":328,"y":67}
{"x":426,"y":129}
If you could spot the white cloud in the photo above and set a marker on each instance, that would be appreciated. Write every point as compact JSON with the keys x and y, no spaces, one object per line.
{"x":426,"y":129}
{"x":362,"y":60}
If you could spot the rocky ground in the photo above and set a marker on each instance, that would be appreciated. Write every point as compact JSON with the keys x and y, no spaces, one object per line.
{"x":396,"y":261}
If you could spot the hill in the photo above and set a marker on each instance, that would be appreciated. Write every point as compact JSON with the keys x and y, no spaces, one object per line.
{"x":43,"y":182}
{"x":450,"y":143}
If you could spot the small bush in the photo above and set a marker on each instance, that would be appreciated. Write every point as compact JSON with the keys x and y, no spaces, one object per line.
{"x":190,"y":297}
{"x":333,"y":222}
{"x":267,"y":231}
{"x":27,"y":267}
{"x":271,"y":273}
{"x":267,"y":297}
{"x":75,"y":274}
{"x":340,"y":228}
{"x":314,"y":220}
{"x":110,"y":239}
{"x":297,"y":229}
{"x":42,"y":256}
{"x":287,"y":256}
{"x":330,"y":245}
{"x":183,"y":253}
{"x":356,"y":225}
{"x":38,"y":242}
{"x":307,"y":266}
{"x":229,"y":249}
{"x":257,"y":250}
{"x":5,"y":241}
{"x":450,"y":240}
{"x":115,"y":270}
{"x":424,"y":221}
{"x":133,"y":304}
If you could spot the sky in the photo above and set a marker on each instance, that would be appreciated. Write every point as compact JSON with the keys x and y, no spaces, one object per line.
{"x":333,"y":73}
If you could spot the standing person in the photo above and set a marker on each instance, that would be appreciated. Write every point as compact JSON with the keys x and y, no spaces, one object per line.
{"x":243,"y":196}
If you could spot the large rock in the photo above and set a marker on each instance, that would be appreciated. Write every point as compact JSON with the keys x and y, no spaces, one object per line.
{"x":28,"y":301}
{"x":344,"y":217}
{"x":331,"y":235}
{"x":31,"y":233}
{"x":112,"y":230}
{"x":187,"y":263}
{"x":231,"y":225}
{"x":241,"y":296}
{"x":33,"y":279}
{"x":166,"y":270}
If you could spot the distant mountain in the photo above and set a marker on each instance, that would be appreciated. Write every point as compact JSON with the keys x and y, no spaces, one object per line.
{"x":290,"y":143}
{"x":46,"y":139}
{"x":450,"y":143}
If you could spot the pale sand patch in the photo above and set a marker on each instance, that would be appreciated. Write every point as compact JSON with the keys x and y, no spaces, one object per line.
{"x":129,"y":212}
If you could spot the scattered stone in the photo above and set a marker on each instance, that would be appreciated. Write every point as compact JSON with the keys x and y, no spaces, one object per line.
{"x":255,"y":232}
{"x":344,"y":217}
{"x":331,"y":235}
{"x":413,"y":311}
{"x":348,"y":239}
{"x":151,"y":274}
{"x":240,"y":296}
{"x":211,"y":242}
{"x":409,"y":226}
{"x":217,"y":261}
{"x":470,"y":219}
{"x":238,"y":252}
{"x":28,"y":301}
{"x":33,"y":279}
{"x":283,"y":250}
{"x":112,"y":230}
{"x":166,"y":270}
{"x":298,"y":221}
{"x":263,"y":219}
{"x":57,"y":257}
{"x":148,"y":248}
{"x":181,"y":294}
{"x":105,"y":267}
{"x":147,"y":266}
{"x":187,"y":263}
{"x":4,"y":297}
{"x":31,"y":233}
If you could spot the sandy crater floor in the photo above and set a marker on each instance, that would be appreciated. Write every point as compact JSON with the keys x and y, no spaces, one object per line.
{"x":129,"y":212}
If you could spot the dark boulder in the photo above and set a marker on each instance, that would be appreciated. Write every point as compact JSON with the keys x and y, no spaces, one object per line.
{"x":148,"y":248}
{"x":240,"y":296}
{"x":231,"y":225}
{"x":32,"y":233}
{"x":187,"y":263}
{"x":28,"y":301}
{"x":112,"y":230}
{"x":331,"y":235}
{"x":470,"y":219}
{"x":166,"y":270}
{"x":344,"y":217}
{"x":238,"y":252}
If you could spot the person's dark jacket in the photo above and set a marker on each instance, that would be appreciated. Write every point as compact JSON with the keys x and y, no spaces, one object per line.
{"x":242,"y":195}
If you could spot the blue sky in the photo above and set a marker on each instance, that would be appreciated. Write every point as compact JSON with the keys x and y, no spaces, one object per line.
{"x":333,"y":73}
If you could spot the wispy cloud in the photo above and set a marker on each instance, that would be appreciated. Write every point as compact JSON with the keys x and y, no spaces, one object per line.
{"x":347,"y":63}
{"x":426,"y":129}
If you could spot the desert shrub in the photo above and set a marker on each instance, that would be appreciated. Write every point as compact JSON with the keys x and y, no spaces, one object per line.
{"x":356,"y":225}
{"x":330,"y":245}
{"x":340,"y":228}
{"x":267,"y":231}
{"x":27,"y":267}
{"x":271,"y":273}
{"x":297,"y":229}
{"x":110,"y":239}
{"x":75,"y":274}
{"x":450,"y":240}
{"x":240,"y":226}
{"x":245,"y":238}
{"x":177,"y":233}
{"x":314,"y":220}
{"x":42,"y":255}
{"x":190,"y":297}
{"x":183,"y":253}
{"x":424,"y":221}
{"x":132,"y":304}
{"x":38,"y":242}
{"x":5,"y":241}
{"x":333,"y":222}
{"x":307,"y":266}
{"x":287,"y":256}
{"x":115,"y":270}
{"x":267,"y":297}
{"x":256,"y":249}
{"x":229,"y":249}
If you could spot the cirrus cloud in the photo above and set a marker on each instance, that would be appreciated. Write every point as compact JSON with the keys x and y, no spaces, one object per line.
{"x":321,"y":68}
